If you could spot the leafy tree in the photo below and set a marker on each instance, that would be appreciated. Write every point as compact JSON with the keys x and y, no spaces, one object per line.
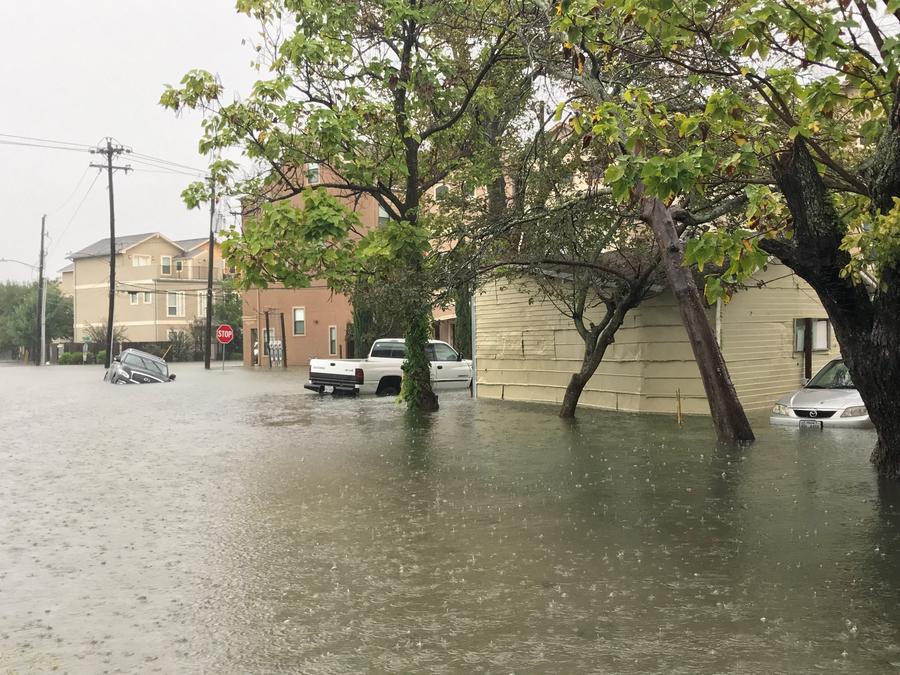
{"x":20,"y":320}
{"x":623,"y":99}
{"x":98,"y":332}
{"x":800,"y":110}
{"x":379,"y":95}
{"x":11,"y":295}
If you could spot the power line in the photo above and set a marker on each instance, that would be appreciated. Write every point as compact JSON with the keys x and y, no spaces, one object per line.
{"x":45,"y":140}
{"x":78,"y":208}
{"x":166,"y":161}
{"x":42,"y":145}
{"x":69,"y":198}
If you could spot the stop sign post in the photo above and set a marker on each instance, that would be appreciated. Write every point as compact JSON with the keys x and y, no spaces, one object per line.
{"x":224,"y":334}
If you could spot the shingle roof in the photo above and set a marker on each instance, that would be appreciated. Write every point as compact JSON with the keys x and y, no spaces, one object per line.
{"x":101,"y":248}
{"x":188,"y":244}
{"x":68,"y":268}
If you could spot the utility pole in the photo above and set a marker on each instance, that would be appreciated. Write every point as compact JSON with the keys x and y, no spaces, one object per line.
{"x":39,"y":347}
{"x":110,"y":150}
{"x":207,"y":348}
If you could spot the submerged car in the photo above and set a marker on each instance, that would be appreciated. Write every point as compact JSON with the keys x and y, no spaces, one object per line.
{"x":829,"y":399}
{"x":133,"y":366}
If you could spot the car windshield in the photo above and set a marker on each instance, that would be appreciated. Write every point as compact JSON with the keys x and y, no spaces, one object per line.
{"x":150,"y":365}
{"x":833,"y":376}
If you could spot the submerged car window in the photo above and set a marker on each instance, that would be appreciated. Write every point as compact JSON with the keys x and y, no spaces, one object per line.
{"x":132,"y":360}
{"x":833,"y":376}
{"x":155,"y":367}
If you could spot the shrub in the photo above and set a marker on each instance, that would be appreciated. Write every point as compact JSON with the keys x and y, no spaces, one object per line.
{"x":70,"y":359}
{"x":90,"y":358}
{"x":101,"y":357}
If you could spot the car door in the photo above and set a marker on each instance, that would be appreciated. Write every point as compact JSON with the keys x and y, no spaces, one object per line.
{"x":447,"y":371}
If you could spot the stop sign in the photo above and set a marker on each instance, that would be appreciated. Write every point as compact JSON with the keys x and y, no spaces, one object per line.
{"x":224,"y":334}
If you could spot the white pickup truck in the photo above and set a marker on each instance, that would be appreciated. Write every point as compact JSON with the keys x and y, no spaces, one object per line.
{"x":380,"y":372}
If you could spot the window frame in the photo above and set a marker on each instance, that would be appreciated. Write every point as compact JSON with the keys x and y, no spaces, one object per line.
{"x":133,"y":298}
{"x":313,"y":173}
{"x":800,"y":328}
{"x":162,"y":265}
{"x":294,"y":321}
{"x":179,"y":265}
{"x":332,"y":339}
{"x":179,"y":304}
{"x":441,"y":192}
{"x":136,"y":258}
{"x":148,"y":297}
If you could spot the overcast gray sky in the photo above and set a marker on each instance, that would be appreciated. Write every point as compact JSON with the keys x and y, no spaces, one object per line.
{"x":81,"y":70}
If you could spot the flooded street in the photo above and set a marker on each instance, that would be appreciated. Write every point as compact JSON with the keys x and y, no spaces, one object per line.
{"x":234,"y":523}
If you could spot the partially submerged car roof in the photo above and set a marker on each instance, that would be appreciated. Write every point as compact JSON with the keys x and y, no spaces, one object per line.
{"x":146,"y":355}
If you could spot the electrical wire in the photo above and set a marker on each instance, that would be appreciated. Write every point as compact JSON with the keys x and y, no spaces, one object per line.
{"x":69,"y":198}
{"x":42,"y":145}
{"x":45,"y":140}
{"x":75,"y":212}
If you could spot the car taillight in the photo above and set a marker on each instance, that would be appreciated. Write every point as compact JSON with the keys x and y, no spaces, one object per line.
{"x":360,"y":376}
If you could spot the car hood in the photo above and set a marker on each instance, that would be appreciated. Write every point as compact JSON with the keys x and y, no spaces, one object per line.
{"x":822,"y":398}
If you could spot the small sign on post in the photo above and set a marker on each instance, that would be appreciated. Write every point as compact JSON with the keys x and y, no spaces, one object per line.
{"x":224,"y":334}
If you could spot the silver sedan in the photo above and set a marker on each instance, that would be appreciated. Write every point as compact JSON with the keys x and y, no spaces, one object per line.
{"x":829,"y":399}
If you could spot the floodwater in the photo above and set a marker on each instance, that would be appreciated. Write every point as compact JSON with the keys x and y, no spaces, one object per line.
{"x":232,"y":522}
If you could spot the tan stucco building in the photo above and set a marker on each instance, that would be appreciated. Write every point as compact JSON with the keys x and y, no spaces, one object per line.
{"x":528,"y":352}
{"x":160,"y":285}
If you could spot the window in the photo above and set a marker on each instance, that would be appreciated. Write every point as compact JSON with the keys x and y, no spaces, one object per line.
{"x":441,"y":352}
{"x":148,"y":298}
{"x":132,"y":297}
{"x":179,"y":265}
{"x":821,"y":334}
{"x":299,"y":321}
{"x":441,"y":192}
{"x":332,"y":340}
{"x":166,"y":264}
{"x":312,"y":173}
{"x":141,"y":260}
{"x":175,"y":304}
{"x":389,"y":350}
{"x":201,"y":303}
{"x":383,"y":217}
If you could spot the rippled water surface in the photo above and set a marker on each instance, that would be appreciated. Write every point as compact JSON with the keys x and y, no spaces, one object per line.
{"x":235,"y":523}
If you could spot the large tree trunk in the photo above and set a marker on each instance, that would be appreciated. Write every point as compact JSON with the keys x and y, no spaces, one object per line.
{"x":728,"y":415}
{"x":415,"y":387}
{"x":867,"y":329}
{"x":573,"y":394}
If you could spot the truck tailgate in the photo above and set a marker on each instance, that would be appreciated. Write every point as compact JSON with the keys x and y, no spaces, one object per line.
{"x":339,"y":373}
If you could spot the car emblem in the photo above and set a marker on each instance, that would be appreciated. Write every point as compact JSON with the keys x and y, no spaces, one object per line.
{"x":813,"y":413}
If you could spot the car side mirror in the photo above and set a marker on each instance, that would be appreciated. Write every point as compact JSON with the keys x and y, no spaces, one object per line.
{"x":804,"y":381}
{"x":459,"y":356}
{"x":172,"y":377}
{"x":117,"y":358}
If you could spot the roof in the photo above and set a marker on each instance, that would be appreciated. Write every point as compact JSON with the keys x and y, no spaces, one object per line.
{"x":188,"y":244}
{"x":68,"y":268}
{"x":100,"y":249}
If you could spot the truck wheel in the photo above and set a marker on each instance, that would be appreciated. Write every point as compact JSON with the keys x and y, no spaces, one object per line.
{"x":388,"y":386}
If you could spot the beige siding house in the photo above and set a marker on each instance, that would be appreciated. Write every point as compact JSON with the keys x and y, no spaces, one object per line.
{"x":160,"y":285}
{"x":528,"y":351}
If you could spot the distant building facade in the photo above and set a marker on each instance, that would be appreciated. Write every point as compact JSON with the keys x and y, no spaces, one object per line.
{"x":160,"y":285}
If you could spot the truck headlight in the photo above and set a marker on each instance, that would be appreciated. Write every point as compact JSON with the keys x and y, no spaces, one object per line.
{"x":781,"y":410}
{"x":855,"y":411}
